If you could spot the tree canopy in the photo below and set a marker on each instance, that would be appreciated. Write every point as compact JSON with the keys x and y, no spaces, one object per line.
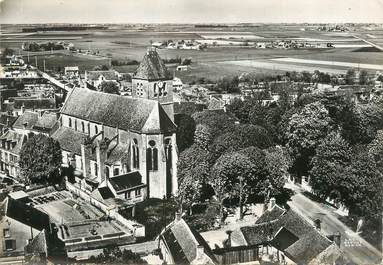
{"x":110,"y":87}
{"x":40,"y":160}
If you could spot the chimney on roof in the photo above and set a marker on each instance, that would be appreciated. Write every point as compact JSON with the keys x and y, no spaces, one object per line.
{"x":200,"y":252}
{"x":228,"y":241}
{"x":22,"y":109}
{"x":272,"y":203}
{"x":337,"y":239}
{"x":178,"y":216}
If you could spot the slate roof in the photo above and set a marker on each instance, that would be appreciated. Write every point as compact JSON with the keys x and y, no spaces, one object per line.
{"x":117,"y":153}
{"x":139,"y":115}
{"x":18,"y":138}
{"x":70,"y":140}
{"x":4,"y":118}
{"x":105,"y":193}
{"x":26,"y":214}
{"x":182,"y":241}
{"x":188,"y":107}
{"x":304,"y":241}
{"x":126,"y":181}
{"x":94,"y":75}
{"x":152,"y":68}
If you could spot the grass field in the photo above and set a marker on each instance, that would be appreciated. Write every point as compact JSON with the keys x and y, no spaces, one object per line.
{"x":123,"y":42}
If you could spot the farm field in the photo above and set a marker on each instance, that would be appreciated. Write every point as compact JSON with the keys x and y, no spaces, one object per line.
{"x":127,"y":42}
{"x":330,"y":63}
{"x":275,"y":66}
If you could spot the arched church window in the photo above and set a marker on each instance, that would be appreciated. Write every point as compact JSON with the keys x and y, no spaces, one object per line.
{"x":82,"y":126}
{"x":136,"y":154}
{"x":168,"y":149}
{"x":75,"y":125}
{"x":88,"y":128}
{"x":95,"y":169}
{"x":95,"y":129}
{"x":152,"y":156}
{"x":70,"y":122}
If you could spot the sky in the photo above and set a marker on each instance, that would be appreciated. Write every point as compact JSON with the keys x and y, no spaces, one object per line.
{"x":190,"y":11}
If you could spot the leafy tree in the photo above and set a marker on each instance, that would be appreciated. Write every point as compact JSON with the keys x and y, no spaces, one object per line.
{"x":343,"y":113}
{"x":233,"y":176}
{"x":242,"y":136}
{"x":363,"y":187}
{"x":304,"y":132}
{"x":110,"y":87}
{"x":185,"y":131}
{"x":217,"y":122}
{"x":40,"y":160}
{"x":350,"y":77}
{"x":203,"y":136}
{"x":114,"y":255}
{"x":375,"y":150}
{"x":193,"y":169}
{"x":277,"y":162}
{"x":332,"y":158}
{"x":7,"y":52}
{"x":370,"y":120}
{"x":363,"y":77}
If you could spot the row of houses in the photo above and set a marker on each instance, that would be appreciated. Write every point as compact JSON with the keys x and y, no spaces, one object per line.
{"x":279,"y":236}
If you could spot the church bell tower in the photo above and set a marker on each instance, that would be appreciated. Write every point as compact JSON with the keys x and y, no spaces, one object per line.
{"x":152,"y":80}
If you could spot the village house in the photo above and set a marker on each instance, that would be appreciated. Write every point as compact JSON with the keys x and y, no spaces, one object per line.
{"x":283,"y":236}
{"x":181,"y":244}
{"x":96,"y":78}
{"x":72,"y":71}
{"x":10,"y":147}
{"x":125,"y":144}
{"x":20,"y":224}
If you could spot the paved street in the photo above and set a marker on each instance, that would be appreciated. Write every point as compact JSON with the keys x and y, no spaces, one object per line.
{"x":356,"y":248}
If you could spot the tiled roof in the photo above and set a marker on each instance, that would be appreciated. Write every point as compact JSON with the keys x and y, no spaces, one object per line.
{"x":26,"y":214}
{"x":305,"y":242}
{"x":33,"y":103}
{"x":70,"y":140}
{"x":109,"y":75}
{"x":28,"y":119}
{"x":182,"y":242}
{"x":33,"y":120}
{"x":140,"y":115}
{"x":38,"y":245}
{"x":152,"y":68}
{"x":47,"y":121}
{"x":126,"y":181}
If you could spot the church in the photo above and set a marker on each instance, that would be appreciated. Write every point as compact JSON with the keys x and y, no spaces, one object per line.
{"x":123,"y":147}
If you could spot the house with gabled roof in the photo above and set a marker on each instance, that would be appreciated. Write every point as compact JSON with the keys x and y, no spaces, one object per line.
{"x":110,"y":140}
{"x":96,"y":78}
{"x":19,"y":224}
{"x":181,"y":244}
{"x":285,"y":236}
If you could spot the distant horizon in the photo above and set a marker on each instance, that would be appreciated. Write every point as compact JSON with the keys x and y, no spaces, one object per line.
{"x":185,"y":23}
{"x":190,"y":12}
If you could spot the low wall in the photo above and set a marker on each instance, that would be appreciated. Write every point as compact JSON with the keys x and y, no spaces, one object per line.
{"x":137,"y":229}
